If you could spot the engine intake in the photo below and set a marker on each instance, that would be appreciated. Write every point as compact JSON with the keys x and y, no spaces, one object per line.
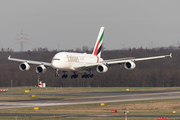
{"x":41,"y":69}
{"x":102,"y":68}
{"x":24,"y":66}
{"x":129,"y":65}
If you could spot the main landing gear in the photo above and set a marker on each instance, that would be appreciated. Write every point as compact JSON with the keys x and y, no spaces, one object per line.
{"x":83,"y":76}
{"x":87,"y":75}
{"x":64,"y":76}
{"x":74,"y":76}
{"x":57,"y":74}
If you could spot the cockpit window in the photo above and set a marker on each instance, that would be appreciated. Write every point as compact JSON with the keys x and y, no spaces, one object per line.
{"x":56,"y":59}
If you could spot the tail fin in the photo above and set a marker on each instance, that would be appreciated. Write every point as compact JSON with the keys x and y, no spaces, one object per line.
{"x":98,"y":45}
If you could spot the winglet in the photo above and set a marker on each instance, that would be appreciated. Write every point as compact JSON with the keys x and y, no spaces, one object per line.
{"x":9,"y":57}
{"x":170,"y":55}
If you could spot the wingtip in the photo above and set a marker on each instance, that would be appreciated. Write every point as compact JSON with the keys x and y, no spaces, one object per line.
{"x":9,"y":57}
{"x":170,"y":55}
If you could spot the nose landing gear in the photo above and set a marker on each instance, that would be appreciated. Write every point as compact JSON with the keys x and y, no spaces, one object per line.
{"x":57,"y":73}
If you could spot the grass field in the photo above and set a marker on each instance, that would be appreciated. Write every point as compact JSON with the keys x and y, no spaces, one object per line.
{"x":156,"y":107}
{"x":71,"y":118}
{"x":87,"y":89}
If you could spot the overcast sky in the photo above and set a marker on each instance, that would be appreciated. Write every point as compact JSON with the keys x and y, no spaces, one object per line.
{"x":76,"y":23}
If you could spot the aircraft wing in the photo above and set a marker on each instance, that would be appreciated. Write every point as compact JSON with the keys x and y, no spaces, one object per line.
{"x":84,"y":66}
{"x":110,"y":62}
{"x":118,"y":61}
{"x":30,"y":61}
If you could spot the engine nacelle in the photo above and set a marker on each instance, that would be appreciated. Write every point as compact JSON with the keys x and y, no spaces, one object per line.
{"x":24,"y":66}
{"x":102,"y":68}
{"x":41,"y":69}
{"x":129,"y":65}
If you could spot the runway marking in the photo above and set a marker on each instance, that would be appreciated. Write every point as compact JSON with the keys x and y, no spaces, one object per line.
{"x":147,"y":94}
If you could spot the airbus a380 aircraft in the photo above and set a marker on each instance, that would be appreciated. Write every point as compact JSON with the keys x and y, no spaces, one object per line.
{"x":79,"y":62}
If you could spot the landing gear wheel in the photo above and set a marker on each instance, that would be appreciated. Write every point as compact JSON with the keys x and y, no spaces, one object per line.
{"x":64,"y":76}
{"x":91,"y":75}
{"x":74,"y":76}
{"x":87,"y":76}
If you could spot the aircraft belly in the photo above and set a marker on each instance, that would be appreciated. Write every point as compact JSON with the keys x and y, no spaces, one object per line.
{"x":65,"y":66}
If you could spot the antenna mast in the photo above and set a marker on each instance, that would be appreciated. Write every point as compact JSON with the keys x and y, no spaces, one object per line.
{"x":22,"y":41}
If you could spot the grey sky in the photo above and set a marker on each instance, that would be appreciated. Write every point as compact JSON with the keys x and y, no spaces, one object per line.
{"x":75,"y":23}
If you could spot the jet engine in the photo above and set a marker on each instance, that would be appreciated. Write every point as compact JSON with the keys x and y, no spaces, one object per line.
{"x":129,"y":65}
{"x":102,"y":68}
{"x":41,"y":69}
{"x":24,"y":66}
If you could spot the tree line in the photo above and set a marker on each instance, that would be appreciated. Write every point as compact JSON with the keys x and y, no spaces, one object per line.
{"x":152,"y":73}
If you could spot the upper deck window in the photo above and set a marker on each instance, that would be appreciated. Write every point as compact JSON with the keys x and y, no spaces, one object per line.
{"x":56,"y":59}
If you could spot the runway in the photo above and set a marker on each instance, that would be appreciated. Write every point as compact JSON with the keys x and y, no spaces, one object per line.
{"x":106,"y":97}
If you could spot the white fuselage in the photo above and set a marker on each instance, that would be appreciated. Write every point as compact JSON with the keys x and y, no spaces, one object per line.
{"x":66,"y":60}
